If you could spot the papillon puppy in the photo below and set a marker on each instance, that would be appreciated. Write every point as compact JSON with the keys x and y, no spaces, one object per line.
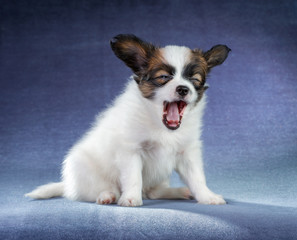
{"x":151,"y":129}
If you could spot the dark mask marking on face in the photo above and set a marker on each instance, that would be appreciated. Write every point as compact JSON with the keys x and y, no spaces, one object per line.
{"x":158,"y":74}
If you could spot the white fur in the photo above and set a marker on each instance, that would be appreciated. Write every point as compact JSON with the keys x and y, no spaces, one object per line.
{"x":130,"y":154}
{"x":47,"y":191}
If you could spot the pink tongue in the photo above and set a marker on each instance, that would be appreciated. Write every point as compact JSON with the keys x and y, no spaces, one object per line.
{"x":172,"y":113}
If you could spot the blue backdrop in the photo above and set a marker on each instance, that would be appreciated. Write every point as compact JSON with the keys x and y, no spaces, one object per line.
{"x":57,"y":72}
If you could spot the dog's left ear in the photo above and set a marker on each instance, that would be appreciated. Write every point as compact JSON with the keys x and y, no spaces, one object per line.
{"x":133,"y":51}
{"x":216,"y":55}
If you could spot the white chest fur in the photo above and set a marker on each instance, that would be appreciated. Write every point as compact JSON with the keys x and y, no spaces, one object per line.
{"x":158,"y":162}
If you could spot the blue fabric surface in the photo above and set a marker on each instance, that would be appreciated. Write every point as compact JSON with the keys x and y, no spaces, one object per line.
{"x":57,"y":72}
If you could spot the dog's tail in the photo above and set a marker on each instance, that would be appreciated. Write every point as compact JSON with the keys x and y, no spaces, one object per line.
{"x":49,"y":190}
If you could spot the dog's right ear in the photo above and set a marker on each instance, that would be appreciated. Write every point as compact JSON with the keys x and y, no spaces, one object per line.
{"x":133,"y":51}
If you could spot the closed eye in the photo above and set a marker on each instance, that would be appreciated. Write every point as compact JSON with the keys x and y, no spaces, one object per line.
{"x":162,"y":79}
{"x":196,"y":82}
{"x":165,"y":77}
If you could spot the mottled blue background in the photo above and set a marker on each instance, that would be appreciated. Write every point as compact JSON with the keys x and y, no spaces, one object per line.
{"x":57,"y":72}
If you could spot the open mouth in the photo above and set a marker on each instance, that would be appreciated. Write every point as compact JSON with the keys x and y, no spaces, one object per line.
{"x":173,"y":114}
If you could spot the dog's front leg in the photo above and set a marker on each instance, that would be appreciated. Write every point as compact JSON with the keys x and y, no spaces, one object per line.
{"x":130,"y":180}
{"x":190,"y":168}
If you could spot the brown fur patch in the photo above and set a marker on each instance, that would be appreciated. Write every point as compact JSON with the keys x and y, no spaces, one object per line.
{"x":157,"y":67}
{"x":196,"y":71}
{"x":147,"y":89}
{"x":133,"y":51}
{"x":200,"y":64}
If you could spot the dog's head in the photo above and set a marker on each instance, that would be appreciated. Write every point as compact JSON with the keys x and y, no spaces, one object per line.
{"x":172,"y":76}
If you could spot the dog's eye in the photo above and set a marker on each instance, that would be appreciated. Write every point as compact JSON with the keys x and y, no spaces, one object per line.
{"x":165,"y":77}
{"x":194,"y":80}
{"x":197,"y":83}
{"x":162,"y":79}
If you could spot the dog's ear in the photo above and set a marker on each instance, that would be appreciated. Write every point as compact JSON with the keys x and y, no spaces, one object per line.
{"x":133,"y":51}
{"x":216,"y":55}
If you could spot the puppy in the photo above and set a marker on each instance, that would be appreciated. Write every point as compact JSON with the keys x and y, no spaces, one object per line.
{"x":153,"y":128}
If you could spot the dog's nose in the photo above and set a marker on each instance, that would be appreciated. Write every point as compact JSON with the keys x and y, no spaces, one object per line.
{"x":182,"y":90}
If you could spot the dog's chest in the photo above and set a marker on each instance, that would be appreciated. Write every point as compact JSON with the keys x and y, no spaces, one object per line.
{"x":158,"y":162}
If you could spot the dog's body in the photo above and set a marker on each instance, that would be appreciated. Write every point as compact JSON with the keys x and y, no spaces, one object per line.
{"x":153,"y":128}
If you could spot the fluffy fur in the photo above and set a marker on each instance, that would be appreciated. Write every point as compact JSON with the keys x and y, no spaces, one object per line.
{"x":153,"y":128}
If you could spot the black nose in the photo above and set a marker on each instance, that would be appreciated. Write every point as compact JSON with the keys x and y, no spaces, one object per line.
{"x":182,"y":90}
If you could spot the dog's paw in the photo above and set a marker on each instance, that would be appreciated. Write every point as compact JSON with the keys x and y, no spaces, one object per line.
{"x":185,"y":193}
{"x":106,"y":198}
{"x":209,"y":197}
{"x":129,"y":201}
